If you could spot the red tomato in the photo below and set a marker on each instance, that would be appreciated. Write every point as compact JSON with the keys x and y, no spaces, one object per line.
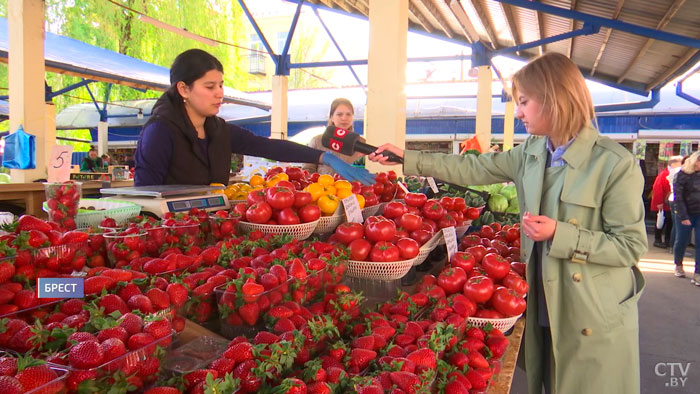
{"x":508,"y":302}
{"x":410,"y":222}
{"x":512,"y":234}
{"x":381,"y":177}
{"x":394,"y":210}
{"x":472,"y":213}
{"x":288,"y":216}
{"x":255,"y":196}
{"x":400,"y":194}
{"x":433,"y":210}
{"x":301,"y":199}
{"x":359,"y":249}
{"x":478,"y":289}
{"x":459,"y":205}
{"x":384,"y":251}
{"x":518,"y":267}
{"x":348,"y":232}
{"x":287,"y":184}
{"x":447,"y":221}
{"x":496,"y":226}
{"x":421,"y":236}
{"x":501,"y":247}
{"x":415,"y":199}
{"x":279,"y":197}
{"x":383,"y":230}
{"x":391,"y":176}
{"x":487,"y":231}
{"x":515,"y":282}
{"x":294,"y":173}
{"x":463,"y":260}
{"x":470,"y":240}
{"x":389,"y":192}
{"x":495,"y":266}
{"x":448,"y":203}
{"x":240,"y":208}
{"x":309,"y":213}
{"x":430,"y":225}
{"x":408,"y":248}
{"x":371,"y":199}
{"x":488,"y":314}
{"x":452,"y":279}
{"x":477,"y":251}
{"x":260,"y":212}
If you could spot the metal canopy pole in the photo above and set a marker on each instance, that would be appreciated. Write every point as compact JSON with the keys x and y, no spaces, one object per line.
{"x":655,"y":98}
{"x":258,"y":31}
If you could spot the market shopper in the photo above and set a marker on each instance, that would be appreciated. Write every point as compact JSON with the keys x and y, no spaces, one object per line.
{"x":91,"y":163}
{"x":342,"y":114}
{"x":184,"y":142}
{"x":686,"y":189}
{"x":660,"y":192}
{"x":582,"y":231}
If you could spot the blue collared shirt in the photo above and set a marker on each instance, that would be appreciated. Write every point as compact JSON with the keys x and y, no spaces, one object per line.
{"x":554,"y":156}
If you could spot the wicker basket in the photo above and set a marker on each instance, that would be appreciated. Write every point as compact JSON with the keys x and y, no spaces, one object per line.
{"x":120,"y":211}
{"x":436,"y":240}
{"x":234,"y":202}
{"x":423,"y":254}
{"x":504,"y":324}
{"x":461,"y":230}
{"x":298,"y":231}
{"x":370,"y":211}
{"x":378,"y":271}
{"x":328,"y":224}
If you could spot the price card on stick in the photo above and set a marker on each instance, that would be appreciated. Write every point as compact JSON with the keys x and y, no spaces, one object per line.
{"x":352,"y":209}
{"x":60,"y":163}
{"x":433,"y":185}
{"x":450,"y":235}
{"x":403,"y":187}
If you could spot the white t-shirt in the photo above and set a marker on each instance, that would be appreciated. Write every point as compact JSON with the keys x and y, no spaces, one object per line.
{"x":671,"y":177}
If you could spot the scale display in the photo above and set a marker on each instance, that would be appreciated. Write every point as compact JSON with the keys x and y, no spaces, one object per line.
{"x":199,"y":203}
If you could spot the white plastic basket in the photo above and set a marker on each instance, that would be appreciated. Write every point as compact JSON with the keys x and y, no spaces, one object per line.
{"x":461,"y":230}
{"x":298,"y":231}
{"x":370,"y":211}
{"x":234,"y":202}
{"x":436,"y":240}
{"x":120,"y":211}
{"x":504,"y":324}
{"x":328,"y":224}
{"x":426,"y":249}
{"x":378,"y":270}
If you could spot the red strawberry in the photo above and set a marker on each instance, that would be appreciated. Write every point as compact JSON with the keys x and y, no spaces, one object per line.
{"x":283,"y":325}
{"x":318,"y":388}
{"x":249,"y":313}
{"x":149,"y":367}
{"x":25,"y":299}
{"x":112,"y":302}
{"x":280,"y":311}
{"x":297,"y":270}
{"x":476,"y":379}
{"x":250,"y":383}
{"x":117,"y":332}
{"x":10,"y":329}
{"x":179,"y":323}
{"x":10,"y":385}
{"x":335,"y":374}
{"x":158,"y":328}
{"x":140,"y":340}
{"x":456,"y":387}
{"x":113,"y":348}
{"x":413,"y":329}
{"x":23,"y":341}
{"x":162,"y":390}
{"x":159,"y":299}
{"x":361,"y":358}
{"x":35,"y":376}
{"x":141,"y":303}
{"x":72,"y":306}
{"x":365,"y":342}
{"x":7,"y":270}
{"x":476,"y":360}
{"x":197,"y":376}
{"x":477,"y":333}
{"x":424,"y":359}
{"x":497,"y":345}
{"x":86,"y":355}
{"x":95,"y":284}
{"x":239,"y":352}
{"x":8,"y":366}
{"x":126,"y":292}
{"x":223,"y":365}
{"x":132,"y":323}
{"x":385,"y":332}
{"x":178,"y":294}
{"x":406,"y":381}
{"x":81,"y":336}
{"x":265,"y":337}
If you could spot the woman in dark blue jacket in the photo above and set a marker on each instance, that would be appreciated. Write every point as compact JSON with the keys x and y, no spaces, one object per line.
{"x":686,"y":190}
{"x":185,"y":143}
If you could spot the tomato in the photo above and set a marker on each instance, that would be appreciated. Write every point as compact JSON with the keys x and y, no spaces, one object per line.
{"x":288,"y":216}
{"x":400,"y":194}
{"x":448,"y":203}
{"x":279,"y":197}
{"x":477,"y":251}
{"x":273,"y":171}
{"x":463,"y":260}
{"x":378,"y":188}
{"x":488,"y":314}
{"x":391,"y":176}
{"x":286,"y":184}
{"x":371,"y":199}
{"x":348,"y":232}
{"x":501,"y":247}
{"x":433,"y":210}
{"x":470,"y":240}
{"x":410,"y":221}
{"x":515,"y":282}
{"x":240,"y":208}
{"x":430,"y":225}
{"x":383,"y":230}
{"x":394,"y":210}
{"x":519,"y":268}
{"x":421,"y":236}
{"x":294,"y":173}
{"x":487,"y":232}
{"x":260,"y":212}
{"x":381,"y":177}
{"x":302,"y":198}
{"x":356,"y":187}
{"x":495,"y":266}
{"x":359,"y":249}
{"x":384,"y":251}
{"x":459,"y":204}
{"x":478,"y":288}
{"x":255,"y":196}
{"x":415,"y":199}
{"x":496,"y":226}
{"x":508,"y":302}
{"x":408,"y":248}
{"x":512,"y":234}
{"x":452,"y":279}
{"x":389,"y":192}
{"x":447,"y":221}
{"x":472,"y":213}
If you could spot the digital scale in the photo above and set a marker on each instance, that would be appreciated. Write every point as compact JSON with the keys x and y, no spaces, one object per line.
{"x":159,"y":199}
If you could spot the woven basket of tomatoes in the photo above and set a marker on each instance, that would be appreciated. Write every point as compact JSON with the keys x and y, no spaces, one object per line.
{"x":503,"y":324}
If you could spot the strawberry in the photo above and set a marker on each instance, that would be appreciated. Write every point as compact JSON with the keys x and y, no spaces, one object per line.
{"x":117,"y":332}
{"x":8,"y":366}
{"x":178,"y":294}
{"x":365,"y":342}
{"x":111,"y":303}
{"x":162,"y":390}
{"x":424,"y":359}
{"x":265,"y":337}
{"x":370,"y":389}
{"x":24,"y":340}
{"x":132,"y":323}
{"x":223,"y":365}
{"x":293,"y":386}
{"x":476,"y":379}
{"x":158,"y":328}
{"x":280,"y":311}
{"x":297,"y":270}
{"x":476,"y":360}
{"x":335,"y":374}
{"x":29,"y":222}
{"x":458,"y":359}
{"x":249,"y":313}
{"x":197,"y":376}
{"x":361,"y":358}
{"x":7,"y":270}
{"x":140,"y":340}
{"x":407,"y":381}
{"x":149,"y":367}
{"x":141,"y":303}
{"x":72,"y":306}
{"x":112,"y":348}
{"x":35,"y":376}
{"x":10,"y":385}
{"x":95,"y":284}
{"x":26,"y":299}
{"x":86,"y":355}
{"x":250,"y":383}
{"x":456,"y":387}
{"x":385,"y":332}
{"x":127,"y":291}
{"x":497,"y":345}
{"x":179,"y":323}
{"x":318,"y":388}
{"x":239,"y":352}
{"x":81,"y":336}
{"x":477,"y":333}
{"x":159,"y":298}
{"x":283,"y":325}
{"x":338,"y":350}
{"x":8,"y":328}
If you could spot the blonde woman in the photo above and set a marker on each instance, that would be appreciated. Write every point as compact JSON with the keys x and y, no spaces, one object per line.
{"x":342,"y":114}
{"x":686,"y":189}
{"x":582,"y":231}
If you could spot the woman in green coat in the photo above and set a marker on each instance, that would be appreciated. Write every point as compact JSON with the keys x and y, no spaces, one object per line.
{"x":582,"y":231}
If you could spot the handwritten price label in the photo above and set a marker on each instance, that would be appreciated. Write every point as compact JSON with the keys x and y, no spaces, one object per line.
{"x":60,"y":163}
{"x":352,"y":209}
{"x":403,"y":187}
{"x":450,"y":235}
{"x":433,"y":185}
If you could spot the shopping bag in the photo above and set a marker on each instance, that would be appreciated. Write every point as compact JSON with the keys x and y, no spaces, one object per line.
{"x":470,"y":145}
{"x":660,"y":217}
{"x":20,"y":150}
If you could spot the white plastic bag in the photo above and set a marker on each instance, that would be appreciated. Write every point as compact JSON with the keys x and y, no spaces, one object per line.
{"x":660,"y":219}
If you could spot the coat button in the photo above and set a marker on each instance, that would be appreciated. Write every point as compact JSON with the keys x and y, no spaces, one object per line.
{"x":577,"y":277}
{"x":573,"y":221}
{"x":587,"y":332}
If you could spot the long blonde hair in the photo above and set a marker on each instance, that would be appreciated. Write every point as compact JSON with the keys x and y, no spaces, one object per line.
{"x":334,"y":105}
{"x":689,"y":167}
{"x":556,"y":82}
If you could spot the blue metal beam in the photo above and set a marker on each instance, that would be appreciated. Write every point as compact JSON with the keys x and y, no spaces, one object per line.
{"x":607,"y":22}
{"x":292,"y":28}
{"x":69,"y":88}
{"x":104,"y":104}
{"x":361,"y":62}
{"x":679,"y":89}
{"x":342,"y":54}
{"x":655,"y":98}
{"x":103,"y":113}
{"x":258,"y":31}
{"x":588,"y":28}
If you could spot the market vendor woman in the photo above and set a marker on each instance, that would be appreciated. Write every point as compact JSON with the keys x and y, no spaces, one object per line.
{"x":185,"y":143}
{"x":582,"y":231}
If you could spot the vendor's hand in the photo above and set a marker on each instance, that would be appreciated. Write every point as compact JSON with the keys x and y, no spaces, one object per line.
{"x":381,"y":159}
{"x":346,"y":170}
{"x":685,"y":222}
{"x":538,"y":228}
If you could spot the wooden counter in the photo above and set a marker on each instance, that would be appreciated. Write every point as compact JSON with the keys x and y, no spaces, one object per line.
{"x":504,"y":379}
{"x":31,"y":195}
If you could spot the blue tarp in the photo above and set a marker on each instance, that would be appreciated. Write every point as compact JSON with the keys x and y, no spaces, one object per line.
{"x":88,"y":61}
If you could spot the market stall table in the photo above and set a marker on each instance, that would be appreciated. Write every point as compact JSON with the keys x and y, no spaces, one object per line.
{"x":503,"y":380}
{"x":32,"y":195}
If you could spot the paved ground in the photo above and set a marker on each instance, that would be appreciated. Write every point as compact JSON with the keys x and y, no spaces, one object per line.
{"x":669,"y":319}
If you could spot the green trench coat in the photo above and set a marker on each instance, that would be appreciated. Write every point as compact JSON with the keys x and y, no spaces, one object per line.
{"x":590,"y":277}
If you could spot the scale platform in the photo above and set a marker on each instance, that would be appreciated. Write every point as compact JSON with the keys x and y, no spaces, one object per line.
{"x":159,"y":199}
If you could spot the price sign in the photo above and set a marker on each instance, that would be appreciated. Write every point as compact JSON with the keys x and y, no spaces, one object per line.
{"x":403,"y":187}
{"x":433,"y":185}
{"x":60,"y":163}
{"x":352,"y":209}
{"x":450,"y":241}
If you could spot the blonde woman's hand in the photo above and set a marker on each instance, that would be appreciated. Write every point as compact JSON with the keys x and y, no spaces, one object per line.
{"x":381,"y":159}
{"x":538,"y":228}
{"x":685,"y":222}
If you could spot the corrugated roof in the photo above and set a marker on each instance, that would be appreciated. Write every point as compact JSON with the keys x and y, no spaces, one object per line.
{"x":616,"y":57}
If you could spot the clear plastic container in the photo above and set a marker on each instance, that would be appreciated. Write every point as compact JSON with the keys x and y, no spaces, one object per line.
{"x":60,"y":258}
{"x":63,"y":201}
{"x":223,"y":228}
{"x":57,"y":385}
{"x":184,"y":235}
{"x":121,"y":247}
{"x":194,"y":355}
